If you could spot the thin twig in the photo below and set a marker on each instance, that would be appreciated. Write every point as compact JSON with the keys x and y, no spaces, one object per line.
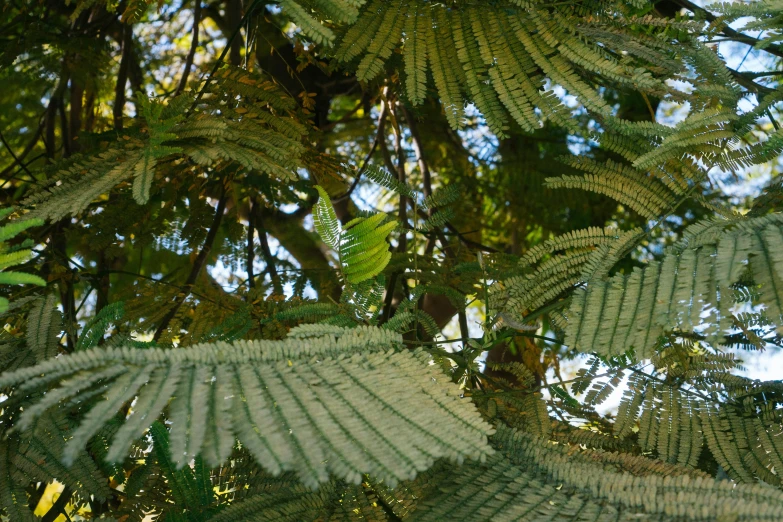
{"x":222,"y":57}
{"x":379,"y":136}
{"x":251,"y":250}
{"x":17,"y":159}
{"x":467,"y":242}
{"x":402,"y":215}
{"x":118,"y":110}
{"x":345,"y":118}
{"x":35,"y":498}
{"x":463,"y":327}
{"x":198,"y":265}
{"x":193,"y":46}
{"x":269,"y":259}
{"x":748,"y":40}
{"x":201,"y":296}
{"x":58,"y":507}
{"x":291,"y":70}
{"x":649,"y":106}
{"x":418,"y":149}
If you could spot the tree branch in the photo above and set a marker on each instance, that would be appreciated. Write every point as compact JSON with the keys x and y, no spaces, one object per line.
{"x":402,"y":214}
{"x":251,"y":251}
{"x":64,"y":129}
{"x":728,"y":31}
{"x":378,"y":137}
{"x":193,"y":46}
{"x":269,"y":259}
{"x":58,"y":507}
{"x":288,"y":230}
{"x":418,"y":149}
{"x":122,"y":77}
{"x":77,"y":106}
{"x":18,"y":160}
{"x":235,"y":21}
{"x":198,"y":265}
{"x":36,"y":496}
{"x":222,"y":56}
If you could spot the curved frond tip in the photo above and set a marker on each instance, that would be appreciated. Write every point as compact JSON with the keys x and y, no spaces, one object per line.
{"x":344,"y":404}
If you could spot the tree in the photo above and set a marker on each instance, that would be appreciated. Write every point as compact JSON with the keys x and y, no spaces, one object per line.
{"x":335,"y":259}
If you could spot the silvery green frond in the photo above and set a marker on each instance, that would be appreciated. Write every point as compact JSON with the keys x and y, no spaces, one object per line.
{"x":689,"y":288}
{"x":343,"y":404}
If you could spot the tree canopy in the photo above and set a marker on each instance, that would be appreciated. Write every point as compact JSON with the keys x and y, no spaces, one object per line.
{"x":390,"y":260}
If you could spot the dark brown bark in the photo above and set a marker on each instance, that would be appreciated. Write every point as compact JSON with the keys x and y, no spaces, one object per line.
{"x":64,"y":128}
{"x":193,"y":46}
{"x":75,"y":128}
{"x":233,"y":19}
{"x":122,"y":77}
{"x":89,"y":109}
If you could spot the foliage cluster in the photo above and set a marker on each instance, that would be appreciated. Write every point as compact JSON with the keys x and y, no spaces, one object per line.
{"x":390,"y":260}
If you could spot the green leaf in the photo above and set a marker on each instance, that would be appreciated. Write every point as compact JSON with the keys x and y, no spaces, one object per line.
{"x":326,"y":223}
{"x":361,"y":244}
{"x":20,"y":278}
{"x":344,"y":404}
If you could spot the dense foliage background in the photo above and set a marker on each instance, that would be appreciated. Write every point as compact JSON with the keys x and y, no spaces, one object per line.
{"x":565,"y":212}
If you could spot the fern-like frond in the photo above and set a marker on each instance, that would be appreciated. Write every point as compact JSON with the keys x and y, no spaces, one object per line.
{"x":13,"y":497}
{"x":501,"y":490}
{"x":499,"y":58}
{"x":576,"y":239}
{"x":43,"y":328}
{"x":628,"y":186}
{"x":361,"y":243}
{"x":345,"y":405}
{"x":684,"y":495}
{"x":417,"y":27}
{"x":261,"y":133}
{"x":83,"y":181}
{"x":584,"y":253}
{"x":10,"y":256}
{"x":39,"y":454}
{"x":159,"y":131}
{"x":536,"y":480}
{"x":703,"y":134}
{"x":687,"y":289}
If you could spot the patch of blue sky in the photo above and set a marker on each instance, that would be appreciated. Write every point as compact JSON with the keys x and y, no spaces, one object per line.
{"x":477,"y":139}
{"x":234,"y":278}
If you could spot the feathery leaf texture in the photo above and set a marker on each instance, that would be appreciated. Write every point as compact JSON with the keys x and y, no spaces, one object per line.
{"x":344,"y":404}
{"x":531,"y":479}
{"x":260,"y":133}
{"x":499,"y":58}
{"x":38,"y":459}
{"x":10,"y":256}
{"x":344,"y":422}
{"x":689,"y":290}
{"x":13,"y":497}
{"x":562,"y":263}
{"x":646,"y":195}
{"x":360,"y":244}
{"x":43,"y":328}
{"x":634,"y":490}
